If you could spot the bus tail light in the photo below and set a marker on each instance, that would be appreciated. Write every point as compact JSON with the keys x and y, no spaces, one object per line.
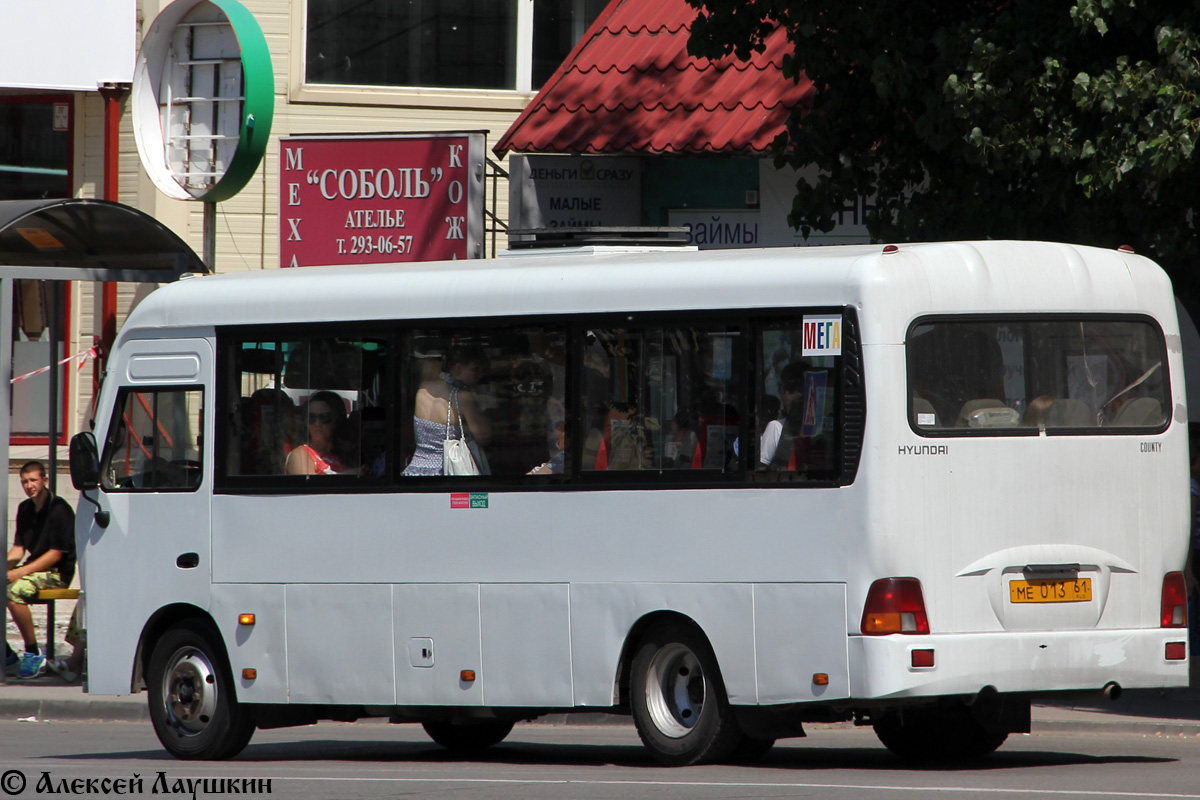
{"x":895,"y":605}
{"x":1174,"y":601}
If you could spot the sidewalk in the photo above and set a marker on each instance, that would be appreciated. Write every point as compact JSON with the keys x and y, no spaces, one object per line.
{"x":1172,"y":712}
{"x":49,"y":698}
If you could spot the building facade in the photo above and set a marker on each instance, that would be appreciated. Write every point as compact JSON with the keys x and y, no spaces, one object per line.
{"x":361,"y":67}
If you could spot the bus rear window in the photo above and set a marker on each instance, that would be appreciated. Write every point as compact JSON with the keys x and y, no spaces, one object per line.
{"x":1023,"y":375}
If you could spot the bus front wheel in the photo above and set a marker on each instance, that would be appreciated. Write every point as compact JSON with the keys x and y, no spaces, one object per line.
{"x":678,"y":699}
{"x":192,"y":704}
{"x":469,"y":738}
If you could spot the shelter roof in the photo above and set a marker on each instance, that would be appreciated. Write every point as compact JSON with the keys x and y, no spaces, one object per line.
{"x":97,"y":240}
{"x":629,"y":86}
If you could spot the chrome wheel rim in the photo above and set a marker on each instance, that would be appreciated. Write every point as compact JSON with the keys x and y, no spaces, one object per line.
{"x":674,"y":690}
{"x":190,"y":691}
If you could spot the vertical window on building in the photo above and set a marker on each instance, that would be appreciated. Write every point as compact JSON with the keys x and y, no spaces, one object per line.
{"x":35,"y":161}
{"x":35,"y":305}
{"x":458,"y":44}
{"x":445,"y":43}
{"x":661,"y":399}
{"x":35,"y":148}
{"x":557,"y":26}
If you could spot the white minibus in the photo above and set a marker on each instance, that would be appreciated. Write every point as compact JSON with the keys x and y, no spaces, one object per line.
{"x":726,"y":493}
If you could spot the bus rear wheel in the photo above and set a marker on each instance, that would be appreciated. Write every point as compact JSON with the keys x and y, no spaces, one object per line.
{"x":945,"y":734}
{"x":470,"y":737}
{"x":192,"y":704}
{"x":751,"y":750}
{"x":678,"y":699}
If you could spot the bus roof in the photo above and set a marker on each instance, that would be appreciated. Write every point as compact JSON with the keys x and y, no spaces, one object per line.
{"x":891,"y":288}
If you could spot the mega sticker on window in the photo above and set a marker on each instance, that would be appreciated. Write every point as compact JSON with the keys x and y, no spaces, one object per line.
{"x":822,"y":335}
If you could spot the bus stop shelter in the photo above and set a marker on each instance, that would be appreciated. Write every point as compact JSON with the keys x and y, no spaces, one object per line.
{"x":81,"y":240}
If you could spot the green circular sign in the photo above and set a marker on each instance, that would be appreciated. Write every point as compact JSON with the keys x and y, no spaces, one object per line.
{"x":203,"y":99}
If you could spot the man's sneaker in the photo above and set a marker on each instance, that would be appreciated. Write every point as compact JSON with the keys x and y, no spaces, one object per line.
{"x":12,"y":663}
{"x":32,"y":665}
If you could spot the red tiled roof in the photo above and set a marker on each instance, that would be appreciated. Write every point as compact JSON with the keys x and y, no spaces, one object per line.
{"x":629,"y":86}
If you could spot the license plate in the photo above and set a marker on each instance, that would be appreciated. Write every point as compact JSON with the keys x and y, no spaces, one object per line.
{"x":1051,"y":590}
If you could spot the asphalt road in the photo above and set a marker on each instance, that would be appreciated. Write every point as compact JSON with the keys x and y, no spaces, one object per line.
{"x":376,"y":760}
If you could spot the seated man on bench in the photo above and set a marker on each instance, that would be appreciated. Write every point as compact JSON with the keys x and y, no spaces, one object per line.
{"x":42,"y":557}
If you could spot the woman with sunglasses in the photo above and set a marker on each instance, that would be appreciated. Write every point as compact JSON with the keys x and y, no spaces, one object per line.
{"x":326,"y":413}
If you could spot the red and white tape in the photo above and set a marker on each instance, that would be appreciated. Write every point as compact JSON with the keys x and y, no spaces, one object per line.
{"x":83,"y":357}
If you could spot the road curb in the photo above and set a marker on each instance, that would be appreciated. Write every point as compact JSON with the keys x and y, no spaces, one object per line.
{"x":584,"y":718}
{"x":1143,"y":727}
{"x":48,"y":710}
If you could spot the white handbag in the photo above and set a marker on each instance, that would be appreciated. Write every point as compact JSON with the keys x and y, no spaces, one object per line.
{"x":456,"y":455}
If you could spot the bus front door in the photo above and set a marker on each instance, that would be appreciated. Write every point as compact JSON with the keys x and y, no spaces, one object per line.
{"x":156,"y":486}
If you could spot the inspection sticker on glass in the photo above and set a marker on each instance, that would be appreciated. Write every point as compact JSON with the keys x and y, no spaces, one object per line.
{"x":722,"y":358}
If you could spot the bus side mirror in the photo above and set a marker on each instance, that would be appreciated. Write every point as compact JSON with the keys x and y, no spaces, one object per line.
{"x":85,"y":470}
{"x":85,"y":461}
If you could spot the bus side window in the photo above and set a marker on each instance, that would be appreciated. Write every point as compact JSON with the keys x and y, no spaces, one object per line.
{"x":797,"y":410}
{"x":155,"y":441}
{"x":261,"y":415}
{"x":661,"y":399}
{"x":270,"y":385}
{"x":509,"y":386}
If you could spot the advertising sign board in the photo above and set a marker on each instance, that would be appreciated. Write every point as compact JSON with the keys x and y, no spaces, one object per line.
{"x":777,"y":188}
{"x":574,"y":191}
{"x":203,"y":102}
{"x":767,"y":225}
{"x":719,"y":228}
{"x":370,"y":199}
{"x":73,"y":45}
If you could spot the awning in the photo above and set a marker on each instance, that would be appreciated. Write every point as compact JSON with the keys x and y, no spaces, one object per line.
{"x":89,"y":240}
{"x":631,"y":87}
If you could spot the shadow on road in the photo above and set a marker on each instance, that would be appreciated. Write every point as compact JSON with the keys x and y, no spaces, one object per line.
{"x":783,"y":757}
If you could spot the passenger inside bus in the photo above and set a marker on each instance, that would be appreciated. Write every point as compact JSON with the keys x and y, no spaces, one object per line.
{"x":622,"y":442}
{"x":265,"y":431}
{"x":1035,"y":412}
{"x":448,"y":402}
{"x":555,"y":464}
{"x":768,"y":409}
{"x":548,"y":351}
{"x":779,"y":438}
{"x":326,"y":414}
{"x":682,"y":444}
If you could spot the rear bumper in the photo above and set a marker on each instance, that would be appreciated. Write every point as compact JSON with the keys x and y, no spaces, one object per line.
{"x":1028,"y":662}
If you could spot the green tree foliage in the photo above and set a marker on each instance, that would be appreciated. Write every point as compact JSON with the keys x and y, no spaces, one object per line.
{"x":1040,"y":119}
